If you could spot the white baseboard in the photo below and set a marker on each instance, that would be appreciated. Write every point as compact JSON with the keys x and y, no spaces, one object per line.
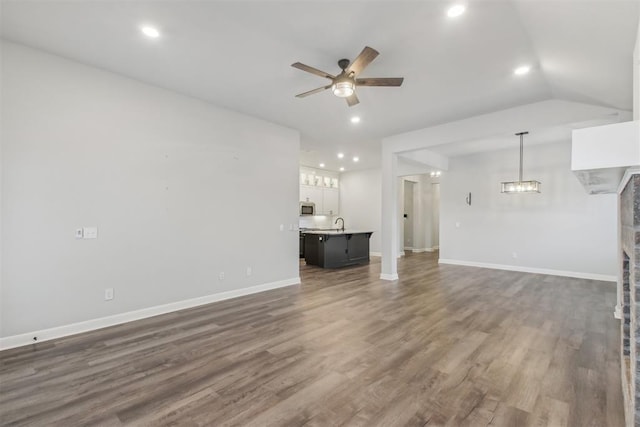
{"x":408,"y":248}
{"x":617,"y":312}
{"x":116,"y":319}
{"x":384,"y":276}
{"x":415,"y":251}
{"x":576,"y":274}
{"x":375,"y":253}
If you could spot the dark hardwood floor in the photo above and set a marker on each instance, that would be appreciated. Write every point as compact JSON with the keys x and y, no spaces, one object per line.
{"x":443,"y":346}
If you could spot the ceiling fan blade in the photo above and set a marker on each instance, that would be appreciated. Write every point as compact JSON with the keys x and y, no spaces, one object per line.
{"x":352,"y":100}
{"x":301,"y":66}
{"x":311,"y":92}
{"x":366,"y":56}
{"x":380,"y":81}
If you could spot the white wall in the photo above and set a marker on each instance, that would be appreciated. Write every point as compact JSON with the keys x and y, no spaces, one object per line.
{"x":636,"y":78}
{"x":434,"y":237}
{"x":181,"y":190}
{"x":540,"y":115}
{"x":360,"y":195}
{"x":561,"y":229}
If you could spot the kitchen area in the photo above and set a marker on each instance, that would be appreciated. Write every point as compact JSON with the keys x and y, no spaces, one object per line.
{"x":324,"y":240}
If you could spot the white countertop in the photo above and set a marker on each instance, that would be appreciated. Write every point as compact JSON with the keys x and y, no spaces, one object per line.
{"x":333,"y":231}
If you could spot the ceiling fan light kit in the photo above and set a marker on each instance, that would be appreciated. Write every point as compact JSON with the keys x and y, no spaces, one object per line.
{"x":520,"y":186}
{"x":344,"y":88}
{"x":344,"y":84}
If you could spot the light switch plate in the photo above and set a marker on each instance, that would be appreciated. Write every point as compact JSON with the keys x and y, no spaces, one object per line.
{"x":90,"y":232}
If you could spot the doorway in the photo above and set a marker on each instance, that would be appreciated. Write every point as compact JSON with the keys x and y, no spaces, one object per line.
{"x":419,"y":214}
{"x":435,"y":216}
{"x":408,"y":215}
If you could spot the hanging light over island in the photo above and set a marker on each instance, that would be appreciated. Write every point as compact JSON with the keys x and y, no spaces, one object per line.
{"x":520,"y":186}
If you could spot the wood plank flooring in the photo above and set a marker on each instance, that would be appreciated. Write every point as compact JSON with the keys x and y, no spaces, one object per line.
{"x":443,"y":346}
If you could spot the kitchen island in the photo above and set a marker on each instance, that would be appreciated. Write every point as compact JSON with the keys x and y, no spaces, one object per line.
{"x":336,"y":248}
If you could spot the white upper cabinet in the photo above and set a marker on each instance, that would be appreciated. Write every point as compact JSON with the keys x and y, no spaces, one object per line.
{"x":331,"y":201}
{"x":320,"y":187}
{"x":311,"y":194}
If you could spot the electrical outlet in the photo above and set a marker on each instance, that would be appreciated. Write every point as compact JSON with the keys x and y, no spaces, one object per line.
{"x":221,"y":275}
{"x":249,"y":271}
{"x":281,"y":227}
{"x":108,"y":294}
{"x":90,"y":232}
{"x":79,"y":233}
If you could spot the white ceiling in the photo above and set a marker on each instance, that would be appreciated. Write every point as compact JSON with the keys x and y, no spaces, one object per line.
{"x":237,"y":54}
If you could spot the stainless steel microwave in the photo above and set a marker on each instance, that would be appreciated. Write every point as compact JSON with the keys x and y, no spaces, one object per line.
{"x":307,"y":208}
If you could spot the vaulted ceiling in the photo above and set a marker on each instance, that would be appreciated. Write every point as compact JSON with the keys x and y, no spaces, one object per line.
{"x":237,"y":54}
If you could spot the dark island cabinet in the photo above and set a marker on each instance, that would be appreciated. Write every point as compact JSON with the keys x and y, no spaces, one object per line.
{"x":333,"y":250}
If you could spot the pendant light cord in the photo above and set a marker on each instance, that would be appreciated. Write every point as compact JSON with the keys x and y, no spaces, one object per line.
{"x":521,"y":134}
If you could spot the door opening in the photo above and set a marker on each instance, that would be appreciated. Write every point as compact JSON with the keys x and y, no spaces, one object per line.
{"x":408,"y":217}
{"x":435,"y":216}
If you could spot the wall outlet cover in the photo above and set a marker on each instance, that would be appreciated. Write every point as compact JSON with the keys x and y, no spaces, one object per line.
{"x":90,"y":232}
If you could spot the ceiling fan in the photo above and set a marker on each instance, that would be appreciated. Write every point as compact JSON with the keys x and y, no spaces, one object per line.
{"x":344,"y":84}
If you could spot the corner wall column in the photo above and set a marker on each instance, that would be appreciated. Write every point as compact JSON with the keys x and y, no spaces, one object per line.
{"x":389,"y":235}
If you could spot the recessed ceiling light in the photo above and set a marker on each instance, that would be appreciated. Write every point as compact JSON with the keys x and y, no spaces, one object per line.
{"x":341,"y":169}
{"x":340,"y":155}
{"x":522,"y":70}
{"x":150,"y":32}
{"x":456,"y":10}
{"x":355,"y":119}
{"x":321,"y":165}
{"x":356,"y":159}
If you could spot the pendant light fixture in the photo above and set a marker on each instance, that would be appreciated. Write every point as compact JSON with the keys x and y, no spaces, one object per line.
{"x":521,"y":186}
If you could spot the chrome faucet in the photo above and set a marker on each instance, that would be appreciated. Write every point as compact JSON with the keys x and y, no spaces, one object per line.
{"x":340,"y":219}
